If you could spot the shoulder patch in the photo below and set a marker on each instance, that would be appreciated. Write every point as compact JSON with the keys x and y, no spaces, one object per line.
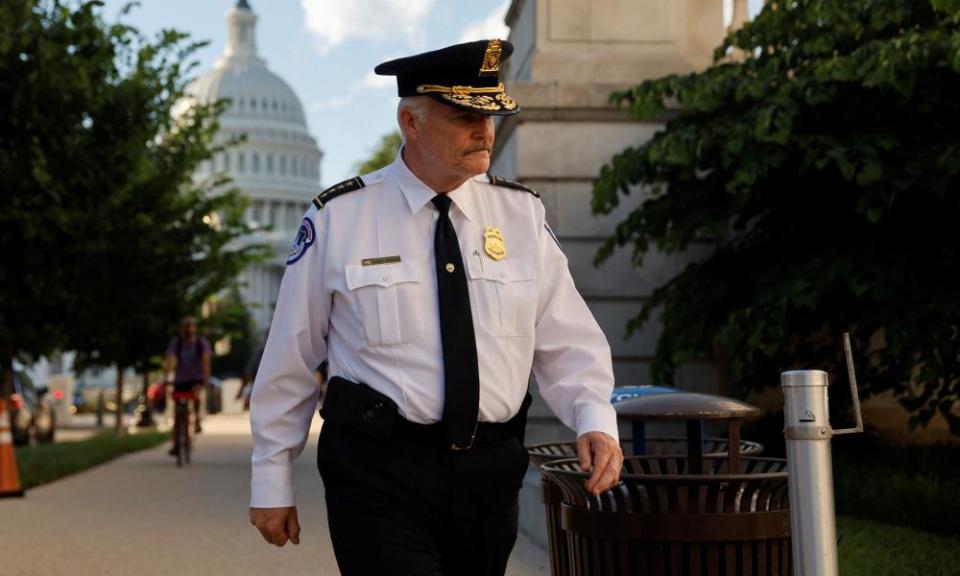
{"x":501,"y":181}
{"x":306,"y":236}
{"x":337,"y":190}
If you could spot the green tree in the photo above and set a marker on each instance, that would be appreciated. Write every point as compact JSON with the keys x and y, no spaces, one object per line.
{"x":820,"y":164}
{"x":119,"y":240}
{"x":230,"y":318}
{"x":167,"y":240}
{"x":384,"y":154}
{"x":55,"y":66}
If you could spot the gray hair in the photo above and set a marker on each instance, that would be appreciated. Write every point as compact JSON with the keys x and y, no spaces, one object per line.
{"x":417,"y":105}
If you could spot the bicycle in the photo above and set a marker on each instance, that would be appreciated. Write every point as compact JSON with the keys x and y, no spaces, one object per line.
{"x":181,"y":426}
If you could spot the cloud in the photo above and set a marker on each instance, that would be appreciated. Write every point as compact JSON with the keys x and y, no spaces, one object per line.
{"x":330,"y":103}
{"x":369,"y":82}
{"x":376,"y":82}
{"x":490,"y":27}
{"x":333,"y":22}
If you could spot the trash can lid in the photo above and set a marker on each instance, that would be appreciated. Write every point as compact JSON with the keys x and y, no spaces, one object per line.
{"x":621,"y":393}
{"x":685,"y":406}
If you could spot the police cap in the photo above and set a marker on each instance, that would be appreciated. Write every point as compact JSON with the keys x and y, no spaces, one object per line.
{"x":465,"y":76}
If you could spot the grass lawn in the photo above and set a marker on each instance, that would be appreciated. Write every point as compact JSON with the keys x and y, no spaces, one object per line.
{"x":46,"y":463}
{"x":869,"y":548}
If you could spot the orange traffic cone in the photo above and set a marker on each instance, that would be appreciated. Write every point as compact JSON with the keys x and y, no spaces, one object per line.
{"x":9,"y":478}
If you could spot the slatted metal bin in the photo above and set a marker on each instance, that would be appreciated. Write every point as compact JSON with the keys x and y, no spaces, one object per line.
{"x":663,"y":519}
{"x":548,"y":452}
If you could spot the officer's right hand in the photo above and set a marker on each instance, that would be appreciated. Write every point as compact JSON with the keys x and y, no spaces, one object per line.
{"x":277,"y":525}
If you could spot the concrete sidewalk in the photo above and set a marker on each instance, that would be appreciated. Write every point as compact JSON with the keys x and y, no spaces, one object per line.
{"x":142,"y":515}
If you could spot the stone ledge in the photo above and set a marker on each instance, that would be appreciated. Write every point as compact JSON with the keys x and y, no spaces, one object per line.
{"x":563,"y":94}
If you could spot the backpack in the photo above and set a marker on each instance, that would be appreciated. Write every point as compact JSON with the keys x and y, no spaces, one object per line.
{"x":199,"y":348}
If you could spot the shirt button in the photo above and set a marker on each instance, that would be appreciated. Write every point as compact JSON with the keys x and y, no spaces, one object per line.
{"x":386,"y":278}
{"x":451,"y":268}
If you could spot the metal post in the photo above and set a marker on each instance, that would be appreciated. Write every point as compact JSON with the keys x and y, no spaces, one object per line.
{"x":809,"y":466}
{"x":810,"y":472}
{"x":100,"y":406}
{"x":695,"y":446}
{"x":733,"y":446}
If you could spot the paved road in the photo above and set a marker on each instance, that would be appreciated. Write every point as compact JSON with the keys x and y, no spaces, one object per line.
{"x":141,"y":515}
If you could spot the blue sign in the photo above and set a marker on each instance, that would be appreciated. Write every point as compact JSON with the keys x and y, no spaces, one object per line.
{"x":622,"y":393}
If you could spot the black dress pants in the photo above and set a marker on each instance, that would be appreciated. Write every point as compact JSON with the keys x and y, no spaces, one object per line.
{"x":399,"y":507}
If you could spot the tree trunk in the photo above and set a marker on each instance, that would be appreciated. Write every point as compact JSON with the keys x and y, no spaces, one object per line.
{"x":143,"y":416}
{"x":146,"y":387}
{"x":6,"y":373}
{"x":118,"y":425}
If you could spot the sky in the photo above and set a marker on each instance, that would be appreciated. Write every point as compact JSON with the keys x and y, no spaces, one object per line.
{"x":327,"y":49}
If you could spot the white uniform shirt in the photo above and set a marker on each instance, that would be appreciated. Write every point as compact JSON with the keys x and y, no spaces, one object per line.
{"x":378,"y":323}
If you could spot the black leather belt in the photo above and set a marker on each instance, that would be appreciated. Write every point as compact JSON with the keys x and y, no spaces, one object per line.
{"x":485,"y":432}
{"x":373,"y":414}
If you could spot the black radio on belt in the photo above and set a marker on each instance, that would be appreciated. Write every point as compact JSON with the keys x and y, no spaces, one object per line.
{"x":359,"y":407}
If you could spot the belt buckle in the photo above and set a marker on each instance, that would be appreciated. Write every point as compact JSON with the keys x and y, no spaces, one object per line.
{"x":457,"y":448}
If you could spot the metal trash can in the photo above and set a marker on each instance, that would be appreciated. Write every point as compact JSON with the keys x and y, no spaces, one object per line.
{"x":694,"y":512}
{"x":544,"y":453}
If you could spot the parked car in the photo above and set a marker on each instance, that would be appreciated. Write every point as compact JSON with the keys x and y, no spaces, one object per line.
{"x":32,"y":412}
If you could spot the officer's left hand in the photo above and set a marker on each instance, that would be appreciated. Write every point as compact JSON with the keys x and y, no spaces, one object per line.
{"x":600,"y":455}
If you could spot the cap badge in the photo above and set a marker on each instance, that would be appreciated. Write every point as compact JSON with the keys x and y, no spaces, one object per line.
{"x":491,"y":59}
{"x":493,"y":243}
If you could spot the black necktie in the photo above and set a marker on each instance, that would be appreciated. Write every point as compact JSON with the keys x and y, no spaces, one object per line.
{"x":461,"y":374}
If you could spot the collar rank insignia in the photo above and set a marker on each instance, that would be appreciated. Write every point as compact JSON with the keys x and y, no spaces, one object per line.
{"x":501,"y":181}
{"x":491,"y":59}
{"x":337,"y":190}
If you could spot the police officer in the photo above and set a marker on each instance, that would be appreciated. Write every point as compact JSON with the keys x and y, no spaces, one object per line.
{"x":432,"y":288}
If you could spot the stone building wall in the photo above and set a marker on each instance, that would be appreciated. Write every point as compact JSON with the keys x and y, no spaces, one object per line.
{"x":569,"y":56}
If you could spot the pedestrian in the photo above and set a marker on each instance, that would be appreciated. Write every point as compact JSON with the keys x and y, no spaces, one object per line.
{"x":188,"y":365}
{"x":432,"y":288}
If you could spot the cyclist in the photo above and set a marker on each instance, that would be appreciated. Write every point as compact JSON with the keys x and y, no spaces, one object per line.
{"x":188,"y":360}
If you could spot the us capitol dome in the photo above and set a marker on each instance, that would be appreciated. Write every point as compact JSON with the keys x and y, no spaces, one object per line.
{"x":278,"y":164}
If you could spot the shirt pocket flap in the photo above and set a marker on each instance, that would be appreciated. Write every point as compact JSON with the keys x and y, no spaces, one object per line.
{"x":384,"y":275}
{"x":503,"y":271}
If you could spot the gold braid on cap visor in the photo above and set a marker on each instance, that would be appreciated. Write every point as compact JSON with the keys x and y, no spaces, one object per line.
{"x":472,"y":96}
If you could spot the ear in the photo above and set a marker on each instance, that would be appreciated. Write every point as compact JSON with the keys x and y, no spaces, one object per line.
{"x":409,"y":124}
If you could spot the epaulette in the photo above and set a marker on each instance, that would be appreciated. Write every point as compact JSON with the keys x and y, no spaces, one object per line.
{"x":340,"y":189}
{"x":501,"y":181}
